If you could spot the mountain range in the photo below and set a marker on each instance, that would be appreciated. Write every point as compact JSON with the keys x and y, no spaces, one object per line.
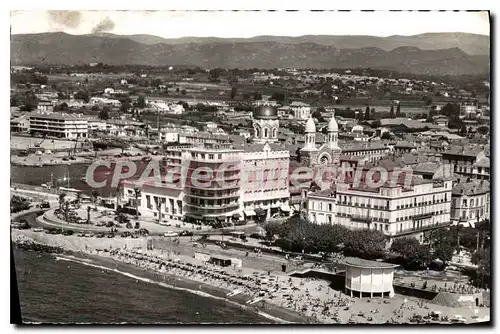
{"x":433,"y":54}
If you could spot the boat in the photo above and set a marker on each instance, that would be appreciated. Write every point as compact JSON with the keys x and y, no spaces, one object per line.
{"x":255,"y":300}
{"x":233,"y":293}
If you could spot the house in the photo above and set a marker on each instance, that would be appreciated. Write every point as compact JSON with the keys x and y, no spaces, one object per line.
{"x":440,"y":121}
{"x":45,"y":105}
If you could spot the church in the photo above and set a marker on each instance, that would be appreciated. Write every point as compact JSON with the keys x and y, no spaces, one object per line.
{"x":326,"y":154}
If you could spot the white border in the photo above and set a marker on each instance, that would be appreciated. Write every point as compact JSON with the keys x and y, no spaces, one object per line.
{"x":198,"y":4}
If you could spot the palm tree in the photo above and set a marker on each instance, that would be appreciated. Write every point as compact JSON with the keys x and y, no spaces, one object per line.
{"x":78,"y":197}
{"x":88,"y":214}
{"x":61,"y":200}
{"x":137,"y":193}
{"x":94,"y":198}
{"x":66,"y":209}
{"x":118,"y":194}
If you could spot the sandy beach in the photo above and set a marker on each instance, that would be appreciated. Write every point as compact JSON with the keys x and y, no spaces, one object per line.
{"x":296,"y":299}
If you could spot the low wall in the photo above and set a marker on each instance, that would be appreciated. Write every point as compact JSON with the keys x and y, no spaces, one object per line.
{"x":458,"y":300}
{"x":337,"y":280}
{"x":414,"y":292}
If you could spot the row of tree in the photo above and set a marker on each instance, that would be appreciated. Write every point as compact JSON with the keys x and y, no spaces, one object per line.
{"x":299,"y":235}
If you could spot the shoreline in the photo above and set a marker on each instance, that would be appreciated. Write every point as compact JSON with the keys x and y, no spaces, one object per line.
{"x":268,"y":311}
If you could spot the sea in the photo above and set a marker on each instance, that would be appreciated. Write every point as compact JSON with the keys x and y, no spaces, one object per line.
{"x":52,"y":290}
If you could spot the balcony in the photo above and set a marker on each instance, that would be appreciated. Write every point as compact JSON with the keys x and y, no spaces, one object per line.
{"x":214,"y":196}
{"x":423,"y":216}
{"x":362,"y":219}
{"x":421,"y":229}
{"x":213,"y":207}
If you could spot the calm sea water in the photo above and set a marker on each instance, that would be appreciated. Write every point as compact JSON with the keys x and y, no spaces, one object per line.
{"x":59,"y":291}
{"x":39,"y":175}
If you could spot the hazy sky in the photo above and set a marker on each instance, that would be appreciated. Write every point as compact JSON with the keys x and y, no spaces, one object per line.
{"x":248,"y":24}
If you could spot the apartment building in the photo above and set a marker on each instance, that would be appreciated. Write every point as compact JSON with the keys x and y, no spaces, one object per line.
{"x":470,"y":162}
{"x":219,"y":183}
{"x":396,"y":210}
{"x":470,"y":202}
{"x":300,"y":110}
{"x":61,"y":125}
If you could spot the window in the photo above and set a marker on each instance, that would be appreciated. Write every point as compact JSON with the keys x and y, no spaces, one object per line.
{"x":330,"y":207}
{"x":274,"y":133}
{"x":266,"y":133}
{"x":211,"y":156}
{"x":257,"y":132}
{"x":386,"y":227}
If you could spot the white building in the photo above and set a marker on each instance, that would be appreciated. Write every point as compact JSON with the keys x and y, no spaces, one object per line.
{"x":234,"y":182}
{"x":300,"y":110}
{"x":59,"y":125}
{"x":470,"y":202}
{"x":366,"y":278}
{"x":103,"y":101}
{"x":394,"y":210}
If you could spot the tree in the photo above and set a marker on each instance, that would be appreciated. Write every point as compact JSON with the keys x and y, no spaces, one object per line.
{"x":386,"y":135}
{"x":463,"y":130}
{"x":234,"y":91}
{"x":365,"y":243}
{"x":317,"y":114}
{"x":430,"y":115}
{"x":125,"y":106}
{"x":484,"y":130}
{"x":141,"y":102}
{"x":62,"y":107}
{"x":482,"y":258}
{"x":104,"y":113}
{"x":442,"y":245}
{"x":88,"y":214}
{"x":137,"y":193}
{"x":272,"y":229}
{"x":156,"y":82}
{"x":30,"y":102}
{"x":62,"y":196}
{"x":414,"y":255}
{"x":260,"y":215}
{"x":428,"y":100}
{"x":367,"y":113}
{"x":82,"y":95}
{"x":391,"y":113}
{"x":278,"y":97}
{"x":398,"y":110}
{"x":183,"y":92}
{"x":177,"y":90}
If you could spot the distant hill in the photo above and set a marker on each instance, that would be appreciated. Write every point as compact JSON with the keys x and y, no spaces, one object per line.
{"x":52,"y":48}
{"x":472,"y":44}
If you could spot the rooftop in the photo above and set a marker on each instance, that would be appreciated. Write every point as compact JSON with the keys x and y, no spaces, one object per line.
{"x":362,"y":263}
{"x":471,"y":187}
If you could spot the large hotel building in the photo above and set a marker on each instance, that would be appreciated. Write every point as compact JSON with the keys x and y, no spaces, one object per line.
{"x":395,"y":210}
{"x":221,"y":182}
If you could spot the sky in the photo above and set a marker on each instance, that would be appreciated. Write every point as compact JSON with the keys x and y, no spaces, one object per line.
{"x":172,"y":24}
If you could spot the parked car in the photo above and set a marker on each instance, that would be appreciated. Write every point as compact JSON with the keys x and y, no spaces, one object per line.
{"x":44,"y":205}
{"x":143,"y":231}
{"x":186,"y":234}
{"x":171,"y":234}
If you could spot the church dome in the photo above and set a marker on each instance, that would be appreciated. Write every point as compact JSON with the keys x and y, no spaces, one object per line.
{"x":265,"y":112}
{"x":310,"y":126}
{"x":332,"y":125}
